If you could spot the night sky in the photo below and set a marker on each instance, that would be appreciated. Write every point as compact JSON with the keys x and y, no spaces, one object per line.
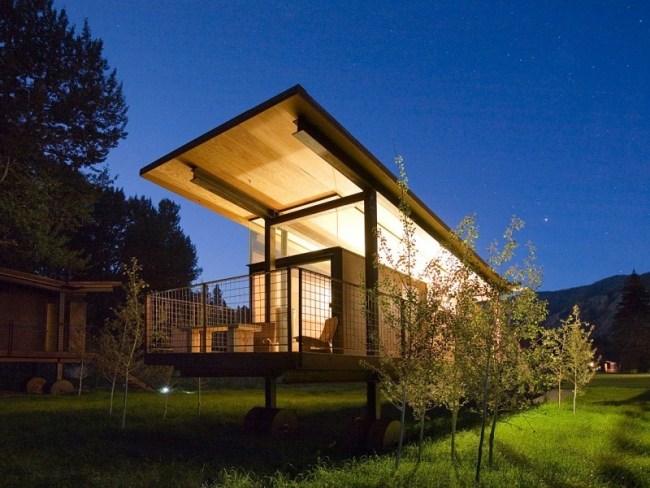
{"x":538,"y":109}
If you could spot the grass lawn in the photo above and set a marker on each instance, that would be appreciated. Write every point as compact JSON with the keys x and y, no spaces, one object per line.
{"x":71,"y":441}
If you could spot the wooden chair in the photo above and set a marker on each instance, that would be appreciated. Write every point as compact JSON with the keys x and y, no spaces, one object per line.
{"x":324,"y":342}
{"x":266,"y":340}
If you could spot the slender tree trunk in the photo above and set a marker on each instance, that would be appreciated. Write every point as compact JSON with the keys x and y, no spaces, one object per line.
{"x":127,"y":368}
{"x":454,"y":421}
{"x":5,"y":170}
{"x":559,"y":391}
{"x":483,"y":415}
{"x":110,"y":405}
{"x":495,"y":416}
{"x":575,"y":390}
{"x":400,"y":443}
{"x":166,"y":399}
{"x":421,"y":438}
{"x":126,"y":394}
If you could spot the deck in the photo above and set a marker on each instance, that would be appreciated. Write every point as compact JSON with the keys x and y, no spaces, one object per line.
{"x":290,"y":322}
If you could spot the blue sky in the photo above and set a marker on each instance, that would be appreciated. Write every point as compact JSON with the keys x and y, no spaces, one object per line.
{"x":539,"y":109}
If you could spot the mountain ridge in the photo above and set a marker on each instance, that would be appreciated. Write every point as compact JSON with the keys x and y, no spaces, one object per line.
{"x":598,"y":304}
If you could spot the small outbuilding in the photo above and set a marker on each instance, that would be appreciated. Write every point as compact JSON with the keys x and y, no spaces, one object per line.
{"x":43,"y":326}
{"x":610,"y":367}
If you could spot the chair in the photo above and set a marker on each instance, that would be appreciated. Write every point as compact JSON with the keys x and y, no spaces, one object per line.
{"x":266,"y":340}
{"x":324,"y":342}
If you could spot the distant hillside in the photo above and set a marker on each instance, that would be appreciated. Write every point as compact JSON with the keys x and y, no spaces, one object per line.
{"x":598,"y":302}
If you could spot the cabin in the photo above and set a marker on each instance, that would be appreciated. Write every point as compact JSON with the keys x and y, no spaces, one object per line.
{"x":43,"y":327}
{"x":610,"y":367}
{"x":313,"y":199}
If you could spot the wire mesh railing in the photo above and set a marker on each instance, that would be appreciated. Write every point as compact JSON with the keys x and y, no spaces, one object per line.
{"x":286,"y":310}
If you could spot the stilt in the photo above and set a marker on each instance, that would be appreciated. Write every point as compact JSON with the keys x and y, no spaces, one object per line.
{"x":373,"y":405}
{"x":269,"y":392}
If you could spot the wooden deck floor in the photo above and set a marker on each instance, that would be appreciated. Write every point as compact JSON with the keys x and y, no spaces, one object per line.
{"x":294,"y":367}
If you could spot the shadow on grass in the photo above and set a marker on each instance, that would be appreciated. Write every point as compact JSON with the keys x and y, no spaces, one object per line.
{"x":642,"y":400}
{"x":57,"y":443}
{"x":227,"y":444}
{"x":619,"y":475}
{"x":67,"y":443}
{"x":542,"y":472}
{"x":322,"y":438}
{"x":621,"y":466}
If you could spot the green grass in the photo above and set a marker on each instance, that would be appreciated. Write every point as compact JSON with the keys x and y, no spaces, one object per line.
{"x":605,"y":444}
{"x":70,"y":441}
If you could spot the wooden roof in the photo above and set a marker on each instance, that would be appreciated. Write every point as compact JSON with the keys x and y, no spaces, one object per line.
{"x":286,"y":153}
{"x":36,"y":281}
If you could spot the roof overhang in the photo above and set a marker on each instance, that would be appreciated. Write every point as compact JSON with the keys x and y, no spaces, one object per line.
{"x":285,"y":154}
{"x":43,"y":283}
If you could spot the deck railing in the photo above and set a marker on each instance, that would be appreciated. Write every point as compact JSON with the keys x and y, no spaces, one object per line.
{"x":266,"y":312}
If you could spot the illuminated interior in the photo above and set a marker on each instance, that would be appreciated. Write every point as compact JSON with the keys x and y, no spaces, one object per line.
{"x":343,"y":227}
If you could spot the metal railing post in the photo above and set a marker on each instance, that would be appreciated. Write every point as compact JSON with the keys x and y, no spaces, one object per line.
{"x":289,"y":308}
{"x":299,"y":310}
{"x":147,"y":321}
{"x":204,"y":317}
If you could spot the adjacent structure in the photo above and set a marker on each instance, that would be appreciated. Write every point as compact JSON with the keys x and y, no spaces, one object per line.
{"x":313,"y":199}
{"x":42,"y":326}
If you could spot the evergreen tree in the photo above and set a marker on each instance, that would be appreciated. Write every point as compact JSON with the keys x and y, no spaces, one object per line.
{"x":111,"y":238}
{"x":154,"y":236}
{"x":61,"y":111}
{"x":122,"y":228}
{"x":101,"y":239}
{"x":61,"y":103}
{"x":631,"y":327}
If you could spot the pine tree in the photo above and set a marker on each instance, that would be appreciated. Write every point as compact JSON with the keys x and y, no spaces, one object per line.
{"x":61,"y":112}
{"x":631,"y":327}
{"x":122,"y":228}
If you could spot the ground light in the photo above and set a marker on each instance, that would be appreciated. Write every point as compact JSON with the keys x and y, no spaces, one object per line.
{"x":165,"y":390}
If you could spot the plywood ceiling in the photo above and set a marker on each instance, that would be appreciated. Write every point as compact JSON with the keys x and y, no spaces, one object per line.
{"x":261,"y":158}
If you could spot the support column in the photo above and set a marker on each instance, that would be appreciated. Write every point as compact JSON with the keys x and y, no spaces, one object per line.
{"x":77,"y":325}
{"x":373,"y":403}
{"x":61,"y":334}
{"x":269,"y":392}
{"x":371,"y":273}
{"x":269,"y":265}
